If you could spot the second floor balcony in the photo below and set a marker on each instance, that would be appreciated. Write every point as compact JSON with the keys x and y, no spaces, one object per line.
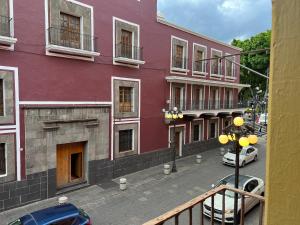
{"x":197,"y":108}
{"x":70,"y":42}
{"x":6,"y":35}
{"x":129,"y":54}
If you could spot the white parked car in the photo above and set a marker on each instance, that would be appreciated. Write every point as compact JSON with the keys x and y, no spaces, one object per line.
{"x":247,"y":154}
{"x":246,"y":183}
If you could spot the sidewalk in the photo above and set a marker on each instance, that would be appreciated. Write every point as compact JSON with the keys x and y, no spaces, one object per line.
{"x":150,"y":193}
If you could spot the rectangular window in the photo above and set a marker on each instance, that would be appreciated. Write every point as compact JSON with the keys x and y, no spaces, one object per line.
{"x":216,"y":62}
{"x":178,"y":59}
{"x":1,"y":97}
{"x":198,"y":64}
{"x":2,"y":159}
{"x":230,"y":72}
{"x":178,"y":100}
{"x":125,"y":99}
{"x":69,"y":30}
{"x":196,"y":132}
{"x":213,"y":130}
{"x":125,"y":140}
{"x":126,"y":43}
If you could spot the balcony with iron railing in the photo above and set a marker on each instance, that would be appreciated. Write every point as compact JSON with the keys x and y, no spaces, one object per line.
{"x":70,"y":42}
{"x":199,"y":68}
{"x":6,"y":35}
{"x":194,"y":211}
{"x":216,"y":68}
{"x":128,"y":54}
{"x":179,"y":64}
{"x":208,"y":106}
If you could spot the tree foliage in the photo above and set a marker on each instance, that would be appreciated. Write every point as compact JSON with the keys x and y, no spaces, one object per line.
{"x":257,"y":61}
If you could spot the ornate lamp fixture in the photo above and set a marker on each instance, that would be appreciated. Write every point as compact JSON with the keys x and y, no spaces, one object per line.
{"x":242,"y":135}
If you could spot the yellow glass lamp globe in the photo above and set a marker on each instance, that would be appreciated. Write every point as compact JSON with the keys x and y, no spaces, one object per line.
{"x":168,"y":116}
{"x":252,"y":139}
{"x":244,"y":141}
{"x":175,"y":116}
{"x":238,"y":121}
{"x":223,"y":139}
{"x":229,"y":137}
{"x":180,"y":116}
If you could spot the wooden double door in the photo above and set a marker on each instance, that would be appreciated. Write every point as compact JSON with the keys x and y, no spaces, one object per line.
{"x":70,"y":164}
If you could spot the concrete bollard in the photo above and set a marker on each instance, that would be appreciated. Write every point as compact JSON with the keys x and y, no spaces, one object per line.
{"x":222,"y":151}
{"x":123,"y":184}
{"x":62,"y":200}
{"x":198,"y":159}
{"x":167,"y":169}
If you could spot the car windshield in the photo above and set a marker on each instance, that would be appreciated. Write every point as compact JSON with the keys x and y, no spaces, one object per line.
{"x":230,"y":194}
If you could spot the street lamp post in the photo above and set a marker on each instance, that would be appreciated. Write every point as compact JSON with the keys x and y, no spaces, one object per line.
{"x":255,"y":103}
{"x":173,"y":115}
{"x":240,"y":134}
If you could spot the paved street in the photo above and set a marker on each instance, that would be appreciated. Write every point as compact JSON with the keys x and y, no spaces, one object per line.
{"x":150,"y":193}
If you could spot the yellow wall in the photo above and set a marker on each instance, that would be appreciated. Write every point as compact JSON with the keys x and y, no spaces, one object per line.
{"x":283,"y":147}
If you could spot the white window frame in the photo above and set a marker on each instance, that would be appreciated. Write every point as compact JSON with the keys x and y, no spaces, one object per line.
{"x":233,"y":71}
{"x":175,"y":70}
{"x":204,"y":72}
{"x":66,"y":52}
{"x":121,"y":61}
{"x":220,"y":67}
{"x":217,"y":127}
{"x":10,"y":41}
{"x":5,"y":151}
{"x":202,"y":127}
{"x":132,"y":141}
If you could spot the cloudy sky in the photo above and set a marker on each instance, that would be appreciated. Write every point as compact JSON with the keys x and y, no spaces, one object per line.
{"x":223,"y":20}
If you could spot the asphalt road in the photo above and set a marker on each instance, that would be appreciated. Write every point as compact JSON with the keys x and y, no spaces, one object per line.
{"x":150,"y":193}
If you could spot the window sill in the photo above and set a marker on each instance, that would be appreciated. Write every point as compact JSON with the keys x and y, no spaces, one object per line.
{"x":230,"y":78}
{"x":71,"y":51}
{"x":7,"y":40}
{"x":216,"y":76}
{"x":181,"y":70}
{"x":201,"y":74}
{"x":128,"y":61}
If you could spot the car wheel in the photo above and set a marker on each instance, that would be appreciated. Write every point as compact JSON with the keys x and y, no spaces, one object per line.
{"x":255,"y":158}
{"x":243,"y":163}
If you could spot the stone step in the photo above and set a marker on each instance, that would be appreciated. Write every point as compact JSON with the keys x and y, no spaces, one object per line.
{"x":72,"y":188}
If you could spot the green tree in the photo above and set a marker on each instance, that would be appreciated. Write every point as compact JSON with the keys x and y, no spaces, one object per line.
{"x":258,"y":62}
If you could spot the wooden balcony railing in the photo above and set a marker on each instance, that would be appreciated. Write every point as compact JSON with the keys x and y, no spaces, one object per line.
{"x":189,"y":207}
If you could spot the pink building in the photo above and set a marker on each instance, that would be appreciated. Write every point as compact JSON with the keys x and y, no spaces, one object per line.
{"x":83,"y":85}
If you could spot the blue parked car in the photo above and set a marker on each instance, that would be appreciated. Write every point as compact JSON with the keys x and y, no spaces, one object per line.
{"x":65,"y":214}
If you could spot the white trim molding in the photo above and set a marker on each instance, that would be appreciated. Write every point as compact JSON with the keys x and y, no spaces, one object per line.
{"x":233,"y":69}
{"x":17,"y":119}
{"x":8,"y":42}
{"x":124,"y":120}
{"x":63,"y":103}
{"x":204,"y":63}
{"x":123,"y":61}
{"x":67,"y":52}
{"x":220,"y":66}
{"x":175,"y":70}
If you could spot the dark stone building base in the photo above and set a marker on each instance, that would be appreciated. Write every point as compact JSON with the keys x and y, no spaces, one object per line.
{"x":42,"y":185}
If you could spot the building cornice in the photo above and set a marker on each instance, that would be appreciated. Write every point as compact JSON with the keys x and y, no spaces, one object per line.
{"x":167,"y":23}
